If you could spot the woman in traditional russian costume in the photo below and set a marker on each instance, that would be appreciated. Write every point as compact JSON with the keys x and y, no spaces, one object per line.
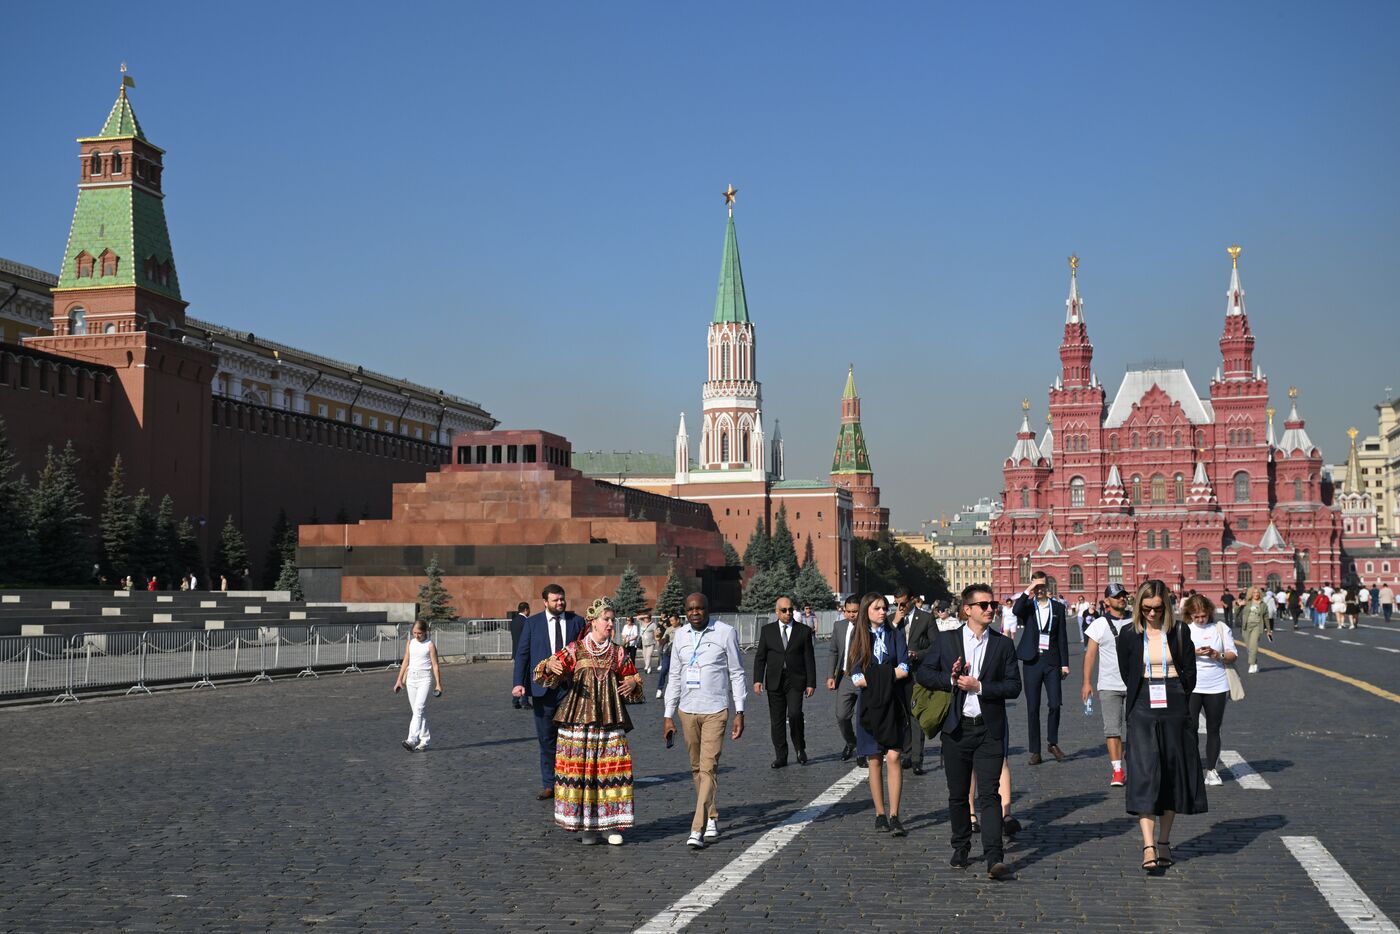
{"x":593,"y":765}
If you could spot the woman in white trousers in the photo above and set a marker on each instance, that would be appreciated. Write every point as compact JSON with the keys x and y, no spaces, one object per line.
{"x":418,"y":673}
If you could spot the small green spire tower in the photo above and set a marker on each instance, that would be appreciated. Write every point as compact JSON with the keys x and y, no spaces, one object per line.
{"x":851,"y":454}
{"x":118,"y":271}
{"x":730,"y":305}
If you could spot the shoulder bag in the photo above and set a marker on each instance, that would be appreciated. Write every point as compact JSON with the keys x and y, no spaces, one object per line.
{"x":1232,"y":677}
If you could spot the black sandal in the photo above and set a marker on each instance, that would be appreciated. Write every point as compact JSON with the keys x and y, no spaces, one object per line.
{"x":1165,"y":861}
{"x":1148,"y":865}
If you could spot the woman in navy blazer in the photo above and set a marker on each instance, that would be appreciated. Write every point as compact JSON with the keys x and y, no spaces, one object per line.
{"x":1162,"y":757}
{"x":879,"y":659}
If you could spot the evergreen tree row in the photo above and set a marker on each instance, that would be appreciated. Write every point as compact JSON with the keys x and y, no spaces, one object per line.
{"x":777,"y":572}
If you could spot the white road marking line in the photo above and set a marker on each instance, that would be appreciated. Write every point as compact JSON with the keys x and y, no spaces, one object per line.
{"x":1318,"y":635}
{"x":1387,"y":649}
{"x":1241,"y":771}
{"x":649,"y":778}
{"x":1346,"y":898}
{"x":706,"y":894}
{"x":1349,"y":642}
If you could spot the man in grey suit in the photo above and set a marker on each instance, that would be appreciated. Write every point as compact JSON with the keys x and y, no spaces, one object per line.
{"x":919,"y":631}
{"x":840,"y":681}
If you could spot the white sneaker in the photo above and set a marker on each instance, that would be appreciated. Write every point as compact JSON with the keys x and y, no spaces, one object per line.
{"x":658,"y":693}
{"x":712,"y":829}
{"x":1253,"y":669}
{"x":588,"y":839}
{"x":615,"y":839}
{"x":695,"y":841}
{"x":421,"y":746}
{"x":1213,"y":777}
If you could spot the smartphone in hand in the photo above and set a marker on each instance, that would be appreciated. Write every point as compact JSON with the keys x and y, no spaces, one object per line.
{"x":670,"y":739}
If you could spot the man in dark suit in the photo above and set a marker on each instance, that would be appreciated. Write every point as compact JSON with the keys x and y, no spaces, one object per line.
{"x":544,"y":634}
{"x":977,"y":665}
{"x":517,"y":626}
{"x":785,"y":665}
{"x":840,"y":681}
{"x":1044,"y":653}
{"x":919,"y":631}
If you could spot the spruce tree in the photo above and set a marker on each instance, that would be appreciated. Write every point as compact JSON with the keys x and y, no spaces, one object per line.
{"x":434,"y":602}
{"x":14,"y":495}
{"x":781,"y":547}
{"x":167,"y":544}
{"x":731,"y":557}
{"x":231,"y":558}
{"x":289,"y":579}
{"x":57,"y":527}
{"x":144,"y":550}
{"x":118,"y":526}
{"x":276,"y":555}
{"x":187,"y":551}
{"x":811,"y":588}
{"x":765,"y":588}
{"x":758,"y":554}
{"x":672,"y":597}
{"x":630,"y":597}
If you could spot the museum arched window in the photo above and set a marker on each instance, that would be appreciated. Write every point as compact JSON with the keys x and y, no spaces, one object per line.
{"x":1076,"y":578}
{"x":1245,"y":575}
{"x":1275,"y":583}
{"x":1166,"y":538}
{"x":1052,"y":587}
{"x":1179,"y":489}
{"x":1159,"y":489}
{"x":1137,"y":490}
{"x":1134,"y":441}
{"x":1025,"y":568}
{"x":1298,"y":489}
{"x":1241,"y":487}
{"x":1113,"y":442}
{"x":1076,"y":494}
{"x":1249,"y":436}
{"x":1151,"y":538}
{"x":1200,"y":439}
{"x":1203,"y":564}
{"x":1115,"y":567}
{"x":1176,"y":440}
{"x":77,"y":321}
{"x":1231,"y":436}
{"x":1025,"y":498}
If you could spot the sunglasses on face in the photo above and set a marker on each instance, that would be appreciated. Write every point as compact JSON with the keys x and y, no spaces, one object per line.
{"x":782,"y":609}
{"x":983,"y":605}
{"x":1152,"y":609}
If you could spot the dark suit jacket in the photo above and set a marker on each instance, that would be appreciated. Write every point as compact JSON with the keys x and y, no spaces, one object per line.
{"x":517,"y":626}
{"x":1000,"y":677}
{"x":921,"y":631}
{"x":534,"y":648}
{"x":771,"y":660}
{"x":1028,"y":644}
{"x":1129,"y":646}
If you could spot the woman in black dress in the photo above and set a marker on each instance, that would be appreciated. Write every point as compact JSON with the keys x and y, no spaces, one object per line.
{"x":879,"y":660}
{"x":1158,"y":662}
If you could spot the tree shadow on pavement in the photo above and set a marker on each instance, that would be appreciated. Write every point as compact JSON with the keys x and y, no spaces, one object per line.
{"x":1269,"y":765}
{"x":1229,"y":836}
{"x":1043,"y":836}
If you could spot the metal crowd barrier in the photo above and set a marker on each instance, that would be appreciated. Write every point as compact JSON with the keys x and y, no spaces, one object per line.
{"x":63,"y":666}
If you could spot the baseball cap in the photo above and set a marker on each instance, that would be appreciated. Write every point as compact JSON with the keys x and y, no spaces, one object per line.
{"x":1114,"y":590}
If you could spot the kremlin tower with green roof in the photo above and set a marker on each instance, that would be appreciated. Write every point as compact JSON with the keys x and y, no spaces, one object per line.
{"x":850,"y":467}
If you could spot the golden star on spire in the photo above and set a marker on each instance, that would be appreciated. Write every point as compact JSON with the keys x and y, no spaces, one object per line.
{"x":1234,"y":251}
{"x":1025,"y":405}
{"x":1292,"y":392}
{"x":729,"y":194}
{"x":1352,"y":433}
{"x":1073,"y":265}
{"x":1270,"y":412}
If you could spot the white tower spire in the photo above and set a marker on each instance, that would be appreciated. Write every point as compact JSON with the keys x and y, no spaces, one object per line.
{"x":682,"y":453}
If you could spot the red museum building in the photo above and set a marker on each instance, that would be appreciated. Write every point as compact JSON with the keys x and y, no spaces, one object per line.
{"x":1161,"y":482}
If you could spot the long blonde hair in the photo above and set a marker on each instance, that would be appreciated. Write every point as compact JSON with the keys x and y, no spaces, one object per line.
{"x":1154,"y":588}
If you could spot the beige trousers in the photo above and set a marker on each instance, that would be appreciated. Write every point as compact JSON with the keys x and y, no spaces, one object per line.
{"x":704,"y":739}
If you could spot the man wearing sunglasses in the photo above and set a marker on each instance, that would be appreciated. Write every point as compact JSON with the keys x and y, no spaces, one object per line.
{"x":785,"y":667}
{"x":978,"y":665}
{"x":1044,"y":653}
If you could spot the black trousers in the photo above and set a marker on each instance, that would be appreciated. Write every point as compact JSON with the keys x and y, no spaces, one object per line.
{"x":1214,"y":706}
{"x":1045,"y":670}
{"x":967,"y":750}
{"x":785,"y":707}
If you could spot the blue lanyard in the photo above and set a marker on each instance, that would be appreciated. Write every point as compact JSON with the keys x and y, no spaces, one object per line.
{"x":1148,"y":658}
{"x":695,"y":648}
{"x":1049,"y":621}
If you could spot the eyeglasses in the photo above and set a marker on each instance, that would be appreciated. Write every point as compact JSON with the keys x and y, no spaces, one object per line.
{"x":784,"y":609}
{"x":1152,"y":609}
{"x":983,"y":605}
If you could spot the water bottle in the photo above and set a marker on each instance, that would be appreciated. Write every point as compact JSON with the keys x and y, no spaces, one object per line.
{"x":1089,"y":706}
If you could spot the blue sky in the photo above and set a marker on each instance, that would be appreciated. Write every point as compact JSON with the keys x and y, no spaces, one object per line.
{"x":520,"y":202}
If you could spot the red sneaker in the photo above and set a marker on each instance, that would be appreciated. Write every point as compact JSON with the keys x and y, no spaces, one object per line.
{"x":1118,"y":778}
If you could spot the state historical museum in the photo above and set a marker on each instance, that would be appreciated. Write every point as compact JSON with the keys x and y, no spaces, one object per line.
{"x":1162,"y":482}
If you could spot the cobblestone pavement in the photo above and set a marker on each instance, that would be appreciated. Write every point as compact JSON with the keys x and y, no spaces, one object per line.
{"x":291,"y":806}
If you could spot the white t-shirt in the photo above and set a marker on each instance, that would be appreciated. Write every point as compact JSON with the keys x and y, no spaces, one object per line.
{"x":1008,"y":621}
{"x":630,"y":634}
{"x":1102,"y":632}
{"x":1210,"y":674}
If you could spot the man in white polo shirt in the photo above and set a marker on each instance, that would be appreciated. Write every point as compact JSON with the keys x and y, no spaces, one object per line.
{"x":1102,"y":635}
